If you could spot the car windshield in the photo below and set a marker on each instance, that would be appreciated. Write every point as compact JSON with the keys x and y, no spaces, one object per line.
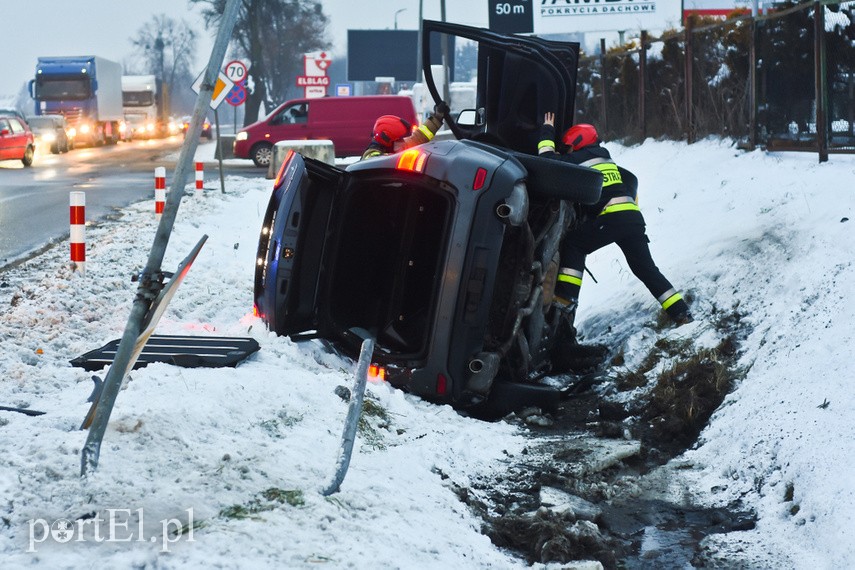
{"x":52,"y":89}
{"x":137,"y":98}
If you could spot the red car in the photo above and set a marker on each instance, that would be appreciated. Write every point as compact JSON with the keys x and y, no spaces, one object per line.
{"x":16,"y":139}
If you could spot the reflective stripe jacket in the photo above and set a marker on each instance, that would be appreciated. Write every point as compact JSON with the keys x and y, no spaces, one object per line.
{"x":616,"y":197}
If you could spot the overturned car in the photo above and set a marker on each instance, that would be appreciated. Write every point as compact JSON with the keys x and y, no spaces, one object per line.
{"x":445,"y":253}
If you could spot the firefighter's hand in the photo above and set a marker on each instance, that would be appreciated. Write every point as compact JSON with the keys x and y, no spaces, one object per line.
{"x":549,"y":119}
{"x":441,"y":110}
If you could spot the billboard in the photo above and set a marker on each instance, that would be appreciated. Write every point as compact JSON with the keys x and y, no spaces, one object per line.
{"x":566,"y":16}
{"x":387,"y":53}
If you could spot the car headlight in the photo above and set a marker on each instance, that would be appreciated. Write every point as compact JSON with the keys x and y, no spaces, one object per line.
{"x":84,"y":129}
{"x":242,"y":136}
{"x":49,"y":137}
{"x":71,"y":132}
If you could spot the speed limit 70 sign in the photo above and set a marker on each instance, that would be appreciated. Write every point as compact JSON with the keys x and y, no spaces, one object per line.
{"x":236,"y":71}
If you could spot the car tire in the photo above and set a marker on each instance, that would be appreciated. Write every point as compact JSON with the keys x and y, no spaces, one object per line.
{"x":28,"y":156}
{"x":262,"y":154}
{"x":563,"y":180}
{"x":54,"y":148}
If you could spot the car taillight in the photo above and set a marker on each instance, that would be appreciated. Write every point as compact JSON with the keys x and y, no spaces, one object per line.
{"x":280,"y":176}
{"x":413,"y":160}
{"x":376,"y":373}
{"x":441,"y":385}
{"x":480,"y":178}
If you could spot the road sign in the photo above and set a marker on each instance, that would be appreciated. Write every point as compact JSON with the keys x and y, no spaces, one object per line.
{"x":221,"y":88}
{"x":236,"y":71}
{"x":511,"y":16}
{"x":237,"y":96}
{"x":312,"y":80}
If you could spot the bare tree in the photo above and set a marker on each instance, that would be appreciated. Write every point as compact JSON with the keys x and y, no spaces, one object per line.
{"x":166,"y":48}
{"x":273,"y":35}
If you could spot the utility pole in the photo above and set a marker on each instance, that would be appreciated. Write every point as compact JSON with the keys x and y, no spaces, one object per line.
{"x":419,"y":47}
{"x":91,"y":451}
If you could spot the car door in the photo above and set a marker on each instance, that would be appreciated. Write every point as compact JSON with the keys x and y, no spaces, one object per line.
{"x":519,"y":78}
{"x":18,"y":139}
{"x":291,"y":122}
{"x":289,"y":274}
{"x":6,"y":139}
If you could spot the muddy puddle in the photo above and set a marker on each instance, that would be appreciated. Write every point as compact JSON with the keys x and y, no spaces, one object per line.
{"x":592,"y":490}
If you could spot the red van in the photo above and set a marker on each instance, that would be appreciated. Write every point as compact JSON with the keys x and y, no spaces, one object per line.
{"x":346,"y":121}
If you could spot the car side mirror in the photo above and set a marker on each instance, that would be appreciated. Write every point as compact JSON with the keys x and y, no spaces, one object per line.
{"x":5,"y":132}
{"x":470,"y":118}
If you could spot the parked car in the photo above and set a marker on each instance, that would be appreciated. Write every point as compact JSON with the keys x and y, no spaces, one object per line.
{"x":52,"y":132}
{"x":16,"y":139}
{"x":445,"y":253}
{"x":346,"y":121}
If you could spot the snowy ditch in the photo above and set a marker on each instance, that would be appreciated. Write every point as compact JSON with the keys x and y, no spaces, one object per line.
{"x":588,"y":490}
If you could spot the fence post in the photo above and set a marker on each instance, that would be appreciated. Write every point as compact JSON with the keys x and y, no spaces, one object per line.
{"x":820,"y":81}
{"x":689,"y":69}
{"x":604,"y":100}
{"x":642,"y":83}
{"x":752,"y":84}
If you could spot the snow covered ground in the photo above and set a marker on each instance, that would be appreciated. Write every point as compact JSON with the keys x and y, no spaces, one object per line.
{"x":239,"y":455}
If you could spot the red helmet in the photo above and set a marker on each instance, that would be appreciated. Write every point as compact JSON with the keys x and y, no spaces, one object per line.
{"x":580,"y":136}
{"x":390,"y":128}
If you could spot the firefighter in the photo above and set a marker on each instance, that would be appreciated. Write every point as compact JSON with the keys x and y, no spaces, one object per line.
{"x":616,"y":219}
{"x":392,"y":133}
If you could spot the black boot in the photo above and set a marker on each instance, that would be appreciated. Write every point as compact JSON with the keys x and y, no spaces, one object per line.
{"x":567,"y":354}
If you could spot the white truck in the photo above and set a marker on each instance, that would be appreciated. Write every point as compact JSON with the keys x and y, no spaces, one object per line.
{"x":142,"y":101}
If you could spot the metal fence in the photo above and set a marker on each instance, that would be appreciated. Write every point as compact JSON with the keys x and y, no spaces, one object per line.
{"x":784,"y":80}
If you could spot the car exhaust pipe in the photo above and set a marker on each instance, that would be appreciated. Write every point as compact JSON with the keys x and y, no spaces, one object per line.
{"x":514,"y":210}
{"x":484,"y":368}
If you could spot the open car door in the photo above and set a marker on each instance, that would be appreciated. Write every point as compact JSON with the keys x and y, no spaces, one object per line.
{"x":292,"y":247}
{"x":519,"y":79}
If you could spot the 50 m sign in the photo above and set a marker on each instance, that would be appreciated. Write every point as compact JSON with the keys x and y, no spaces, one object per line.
{"x":511,"y":16}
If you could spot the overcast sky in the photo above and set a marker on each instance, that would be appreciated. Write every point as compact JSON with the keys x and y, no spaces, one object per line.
{"x":104,"y":27}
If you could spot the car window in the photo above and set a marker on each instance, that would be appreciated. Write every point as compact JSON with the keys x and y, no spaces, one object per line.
{"x":4,"y":125}
{"x":16,"y":125}
{"x":292,"y":114}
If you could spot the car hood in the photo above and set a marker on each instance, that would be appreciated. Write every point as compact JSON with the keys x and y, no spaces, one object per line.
{"x":519,"y":79}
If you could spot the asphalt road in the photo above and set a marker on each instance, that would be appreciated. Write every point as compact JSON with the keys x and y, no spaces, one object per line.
{"x":34,"y":202}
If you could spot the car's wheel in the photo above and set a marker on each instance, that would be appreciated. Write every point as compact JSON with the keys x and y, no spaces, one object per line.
{"x":560,"y":179}
{"x":28,"y":156}
{"x":54,"y":148}
{"x":262,"y":154}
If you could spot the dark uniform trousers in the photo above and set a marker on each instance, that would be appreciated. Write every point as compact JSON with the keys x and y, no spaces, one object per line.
{"x":627,"y":230}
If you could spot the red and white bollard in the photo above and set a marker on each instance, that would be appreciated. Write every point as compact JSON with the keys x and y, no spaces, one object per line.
{"x":159,"y":190}
{"x":78,"y":231}
{"x":200,"y":175}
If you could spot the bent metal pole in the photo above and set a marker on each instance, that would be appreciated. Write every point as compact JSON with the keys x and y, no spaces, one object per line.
{"x":115,"y":376}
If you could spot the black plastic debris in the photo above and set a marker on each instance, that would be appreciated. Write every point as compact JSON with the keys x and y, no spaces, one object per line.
{"x":184,"y":351}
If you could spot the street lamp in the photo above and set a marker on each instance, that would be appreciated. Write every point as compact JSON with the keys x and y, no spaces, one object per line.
{"x":396,"y":16}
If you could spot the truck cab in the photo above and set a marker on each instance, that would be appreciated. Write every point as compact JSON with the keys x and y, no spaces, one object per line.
{"x":85,"y":90}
